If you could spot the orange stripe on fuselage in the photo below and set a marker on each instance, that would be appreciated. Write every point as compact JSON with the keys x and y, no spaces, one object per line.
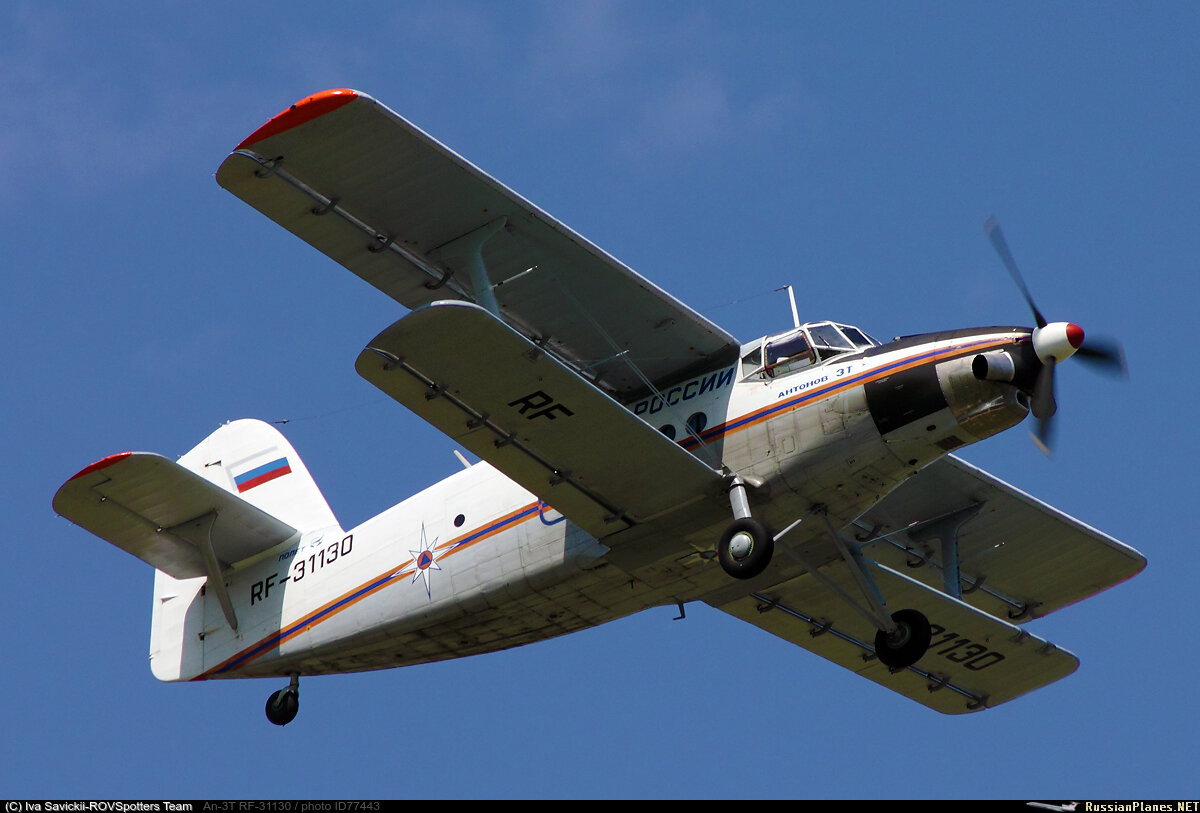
{"x":369,"y":588}
{"x":506,"y":522}
{"x":761,"y":414}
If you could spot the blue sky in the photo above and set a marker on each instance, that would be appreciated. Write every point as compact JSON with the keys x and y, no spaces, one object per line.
{"x":722,"y":150}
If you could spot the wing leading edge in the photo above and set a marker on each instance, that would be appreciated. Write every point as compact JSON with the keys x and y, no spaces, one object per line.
{"x":400,"y":210}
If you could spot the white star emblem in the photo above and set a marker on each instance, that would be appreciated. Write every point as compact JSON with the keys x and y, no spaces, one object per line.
{"x":424,"y":560}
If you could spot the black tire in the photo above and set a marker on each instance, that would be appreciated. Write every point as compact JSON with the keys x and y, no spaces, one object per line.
{"x":282,"y":706}
{"x":761,"y":548}
{"x":909,"y":643}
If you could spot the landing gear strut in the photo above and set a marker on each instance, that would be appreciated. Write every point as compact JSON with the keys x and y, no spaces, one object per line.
{"x":745,"y":548}
{"x":283,"y":705}
{"x":903,"y":637}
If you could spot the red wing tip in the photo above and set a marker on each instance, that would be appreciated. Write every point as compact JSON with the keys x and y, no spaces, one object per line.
{"x":305,"y":110}
{"x":102,"y":464}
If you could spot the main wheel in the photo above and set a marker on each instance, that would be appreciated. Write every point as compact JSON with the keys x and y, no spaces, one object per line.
{"x":745,"y":548}
{"x":907,"y":644}
{"x":283,"y":705}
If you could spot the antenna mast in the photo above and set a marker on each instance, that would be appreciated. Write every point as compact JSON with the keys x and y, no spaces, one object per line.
{"x":791,"y":299}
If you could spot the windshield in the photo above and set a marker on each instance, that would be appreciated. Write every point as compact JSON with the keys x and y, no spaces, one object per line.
{"x":785,"y":353}
{"x":829,"y":341}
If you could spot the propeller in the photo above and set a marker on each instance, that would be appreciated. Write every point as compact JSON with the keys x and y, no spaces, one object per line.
{"x":1054,"y":343}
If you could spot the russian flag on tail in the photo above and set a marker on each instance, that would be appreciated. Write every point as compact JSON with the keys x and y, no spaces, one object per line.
{"x":262,"y":474}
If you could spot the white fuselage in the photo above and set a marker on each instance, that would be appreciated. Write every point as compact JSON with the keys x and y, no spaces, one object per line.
{"x":476,"y":563}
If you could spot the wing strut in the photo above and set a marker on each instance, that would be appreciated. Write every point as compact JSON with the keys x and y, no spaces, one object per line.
{"x":854,"y":561}
{"x":945,"y":529}
{"x":468,"y":250}
{"x":623,"y":355}
{"x":876,"y":612}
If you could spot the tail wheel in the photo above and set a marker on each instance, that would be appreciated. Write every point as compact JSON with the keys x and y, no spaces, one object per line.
{"x":745,"y":548}
{"x":909,"y":642}
{"x":283,"y":705}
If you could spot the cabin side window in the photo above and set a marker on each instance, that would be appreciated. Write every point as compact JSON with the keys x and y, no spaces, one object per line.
{"x":752,"y":362}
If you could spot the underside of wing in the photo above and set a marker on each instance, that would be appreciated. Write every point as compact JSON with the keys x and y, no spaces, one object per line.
{"x":974,"y":661}
{"x":167,"y":516}
{"x":553,"y":432}
{"x":409,"y":216}
{"x":1018,"y":558}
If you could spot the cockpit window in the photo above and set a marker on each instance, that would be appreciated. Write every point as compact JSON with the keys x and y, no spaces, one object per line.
{"x":859,"y":338}
{"x":786,"y":353}
{"x":784,"y":349}
{"x":829,"y":341}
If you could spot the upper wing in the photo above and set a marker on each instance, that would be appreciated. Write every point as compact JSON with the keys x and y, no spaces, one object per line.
{"x":400,"y":210}
{"x":1019,"y":558}
{"x":533,"y":418}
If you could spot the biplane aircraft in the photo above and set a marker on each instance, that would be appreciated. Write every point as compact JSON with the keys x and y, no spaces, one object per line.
{"x":633,"y":455}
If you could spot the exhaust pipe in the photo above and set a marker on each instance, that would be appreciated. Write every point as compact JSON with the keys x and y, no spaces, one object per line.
{"x":996,"y":365}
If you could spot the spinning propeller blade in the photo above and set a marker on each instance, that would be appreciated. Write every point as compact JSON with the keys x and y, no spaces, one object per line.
{"x":992,"y":227}
{"x":1105,"y":356}
{"x":1054,"y":342}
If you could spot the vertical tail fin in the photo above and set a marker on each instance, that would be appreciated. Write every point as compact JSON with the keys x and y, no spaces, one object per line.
{"x":254,"y":461}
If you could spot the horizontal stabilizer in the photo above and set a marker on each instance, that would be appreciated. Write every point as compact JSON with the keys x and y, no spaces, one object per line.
{"x":537,"y":421}
{"x":975,"y":660}
{"x":166,"y":515}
